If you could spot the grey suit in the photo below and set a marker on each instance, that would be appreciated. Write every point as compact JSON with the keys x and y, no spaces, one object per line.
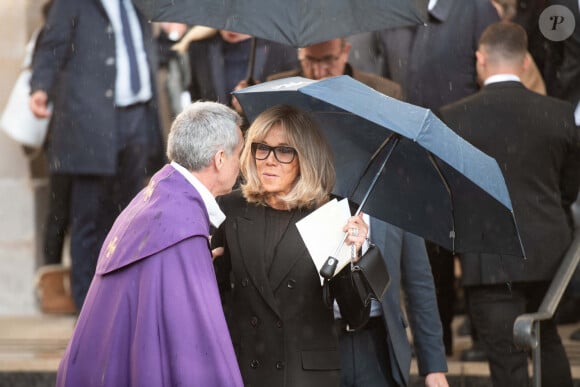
{"x":435,"y":65}
{"x":408,"y":266}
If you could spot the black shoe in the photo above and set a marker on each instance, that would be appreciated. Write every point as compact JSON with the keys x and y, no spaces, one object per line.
{"x":475,"y":353}
{"x":575,"y":336}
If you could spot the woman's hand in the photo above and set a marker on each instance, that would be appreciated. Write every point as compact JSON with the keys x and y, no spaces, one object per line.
{"x":357,"y":233}
{"x":217,"y":252}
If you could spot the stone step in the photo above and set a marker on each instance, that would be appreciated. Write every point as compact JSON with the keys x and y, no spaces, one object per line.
{"x":31,"y":347}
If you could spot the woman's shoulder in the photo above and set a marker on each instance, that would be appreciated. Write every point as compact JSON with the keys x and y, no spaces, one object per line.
{"x":231,"y":201}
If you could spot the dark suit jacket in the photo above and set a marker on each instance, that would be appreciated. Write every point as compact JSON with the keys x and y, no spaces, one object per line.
{"x":281,"y":329}
{"x":380,"y":84}
{"x":534,"y":140}
{"x":408,"y":266}
{"x":208,"y":67}
{"x":74,"y":63}
{"x":435,"y":64}
{"x":568,"y":66}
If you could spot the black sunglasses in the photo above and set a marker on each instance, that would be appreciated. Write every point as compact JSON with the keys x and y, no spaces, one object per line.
{"x":284,"y":154}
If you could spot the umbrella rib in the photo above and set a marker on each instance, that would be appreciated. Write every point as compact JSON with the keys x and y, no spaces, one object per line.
{"x":393,"y":137}
{"x":448,"y":189}
{"x":370,"y":162}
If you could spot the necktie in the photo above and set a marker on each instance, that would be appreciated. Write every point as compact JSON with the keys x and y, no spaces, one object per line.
{"x":133,"y":68}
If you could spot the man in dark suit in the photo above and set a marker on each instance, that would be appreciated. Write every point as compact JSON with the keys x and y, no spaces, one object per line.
{"x":95,"y":63}
{"x":434,"y":63}
{"x":565,"y":65}
{"x":534,"y":140}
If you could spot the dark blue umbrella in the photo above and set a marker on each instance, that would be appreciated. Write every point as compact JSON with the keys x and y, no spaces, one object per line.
{"x":402,"y":163}
{"x":297,"y":23}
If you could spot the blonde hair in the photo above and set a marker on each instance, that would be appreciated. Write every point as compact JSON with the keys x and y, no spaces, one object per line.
{"x":316,"y":174}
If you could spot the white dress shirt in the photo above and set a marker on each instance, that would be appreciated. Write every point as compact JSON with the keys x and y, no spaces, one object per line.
{"x":123,"y":94}
{"x":502,"y":78}
{"x":431,"y":5}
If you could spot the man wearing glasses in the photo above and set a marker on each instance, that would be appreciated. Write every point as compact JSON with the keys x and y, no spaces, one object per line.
{"x":330,"y":59}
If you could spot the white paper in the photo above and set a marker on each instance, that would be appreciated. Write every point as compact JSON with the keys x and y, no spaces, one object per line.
{"x":322,"y":233}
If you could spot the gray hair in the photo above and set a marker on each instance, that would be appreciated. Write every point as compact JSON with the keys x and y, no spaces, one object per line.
{"x":201,"y":130}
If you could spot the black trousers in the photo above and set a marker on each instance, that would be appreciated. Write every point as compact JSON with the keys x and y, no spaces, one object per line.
{"x":364,"y":356}
{"x":494,"y":309}
{"x":57,"y":220}
{"x":96,"y":201}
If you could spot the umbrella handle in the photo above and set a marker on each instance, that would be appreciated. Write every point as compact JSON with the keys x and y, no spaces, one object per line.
{"x":327,"y":270}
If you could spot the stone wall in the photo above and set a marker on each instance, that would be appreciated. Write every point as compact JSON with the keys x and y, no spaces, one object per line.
{"x":22,"y":182}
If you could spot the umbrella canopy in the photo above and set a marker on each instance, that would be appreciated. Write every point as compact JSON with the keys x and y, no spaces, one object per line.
{"x":297,"y":23}
{"x":435,"y":184}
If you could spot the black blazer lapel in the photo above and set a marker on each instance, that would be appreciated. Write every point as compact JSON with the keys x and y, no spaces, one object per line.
{"x":290,"y":249}
{"x":253,"y":253}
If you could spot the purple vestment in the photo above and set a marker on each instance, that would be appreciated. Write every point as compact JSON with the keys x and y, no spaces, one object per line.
{"x":153,"y":316}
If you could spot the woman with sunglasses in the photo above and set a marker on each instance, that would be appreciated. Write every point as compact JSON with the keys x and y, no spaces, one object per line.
{"x":280,"y":326}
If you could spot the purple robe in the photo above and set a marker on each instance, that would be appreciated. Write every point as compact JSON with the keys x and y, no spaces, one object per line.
{"x":153,"y":315}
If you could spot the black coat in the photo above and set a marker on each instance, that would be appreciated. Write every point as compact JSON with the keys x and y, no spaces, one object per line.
{"x":281,"y":329}
{"x":74,"y":63}
{"x":535,"y":142}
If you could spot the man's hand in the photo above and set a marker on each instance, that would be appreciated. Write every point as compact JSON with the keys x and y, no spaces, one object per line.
{"x":436,"y":379}
{"x":38,"y":104}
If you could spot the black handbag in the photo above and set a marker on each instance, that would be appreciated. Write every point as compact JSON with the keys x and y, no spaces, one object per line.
{"x":354,"y":287}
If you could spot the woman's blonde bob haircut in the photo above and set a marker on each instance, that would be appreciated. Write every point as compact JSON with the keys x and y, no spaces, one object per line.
{"x":316,"y":175}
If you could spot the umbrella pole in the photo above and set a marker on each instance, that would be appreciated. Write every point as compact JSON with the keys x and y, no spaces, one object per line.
{"x":252,"y":60}
{"x":395,"y":139}
{"x":327,"y":270}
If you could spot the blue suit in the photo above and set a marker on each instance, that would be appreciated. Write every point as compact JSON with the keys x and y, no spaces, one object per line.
{"x":105,"y":150}
{"x":409,"y":268}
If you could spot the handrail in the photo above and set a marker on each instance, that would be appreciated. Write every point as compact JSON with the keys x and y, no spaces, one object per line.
{"x":527,"y":326}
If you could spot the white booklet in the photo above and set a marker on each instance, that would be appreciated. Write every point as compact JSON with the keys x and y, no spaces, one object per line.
{"x":322,"y":233}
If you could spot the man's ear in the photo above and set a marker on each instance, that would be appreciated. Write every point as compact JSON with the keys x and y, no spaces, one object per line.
{"x":480,"y":58}
{"x":219,"y":159}
{"x":526,"y":63}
